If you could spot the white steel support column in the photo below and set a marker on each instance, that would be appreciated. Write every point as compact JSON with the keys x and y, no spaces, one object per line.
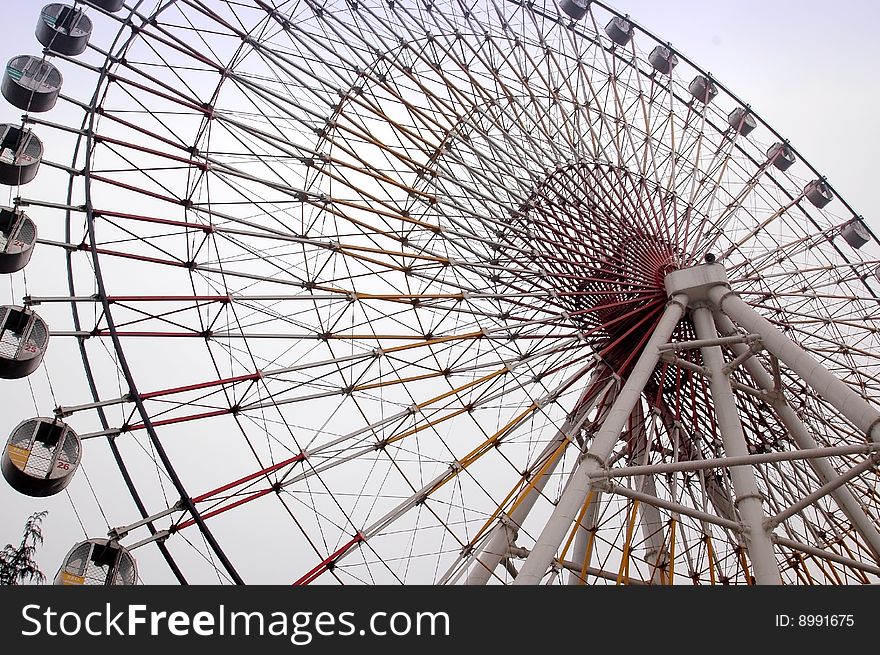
{"x":849,"y":403}
{"x":804,"y":440}
{"x":575,"y":493}
{"x":581,"y":546}
{"x":652,"y":522}
{"x":581,"y":551}
{"x":748,"y":497}
{"x":504,"y":533}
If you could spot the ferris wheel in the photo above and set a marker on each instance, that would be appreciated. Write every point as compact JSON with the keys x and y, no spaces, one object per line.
{"x":453,"y":292}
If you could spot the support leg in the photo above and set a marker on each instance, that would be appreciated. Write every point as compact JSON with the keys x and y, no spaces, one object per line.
{"x":849,"y":403}
{"x":581,"y":551}
{"x":804,"y":440}
{"x":656,"y":554}
{"x":575,"y":493}
{"x":748,"y":497}
{"x":504,"y":533}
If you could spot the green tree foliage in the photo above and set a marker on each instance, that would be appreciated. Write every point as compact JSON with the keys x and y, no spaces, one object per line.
{"x":17,"y":565}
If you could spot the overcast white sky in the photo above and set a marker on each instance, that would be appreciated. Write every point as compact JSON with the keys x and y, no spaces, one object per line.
{"x":808,"y":67}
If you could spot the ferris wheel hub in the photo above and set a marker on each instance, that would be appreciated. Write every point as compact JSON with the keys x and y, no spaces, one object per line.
{"x":605,"y":257}
{"x":696,"y":281}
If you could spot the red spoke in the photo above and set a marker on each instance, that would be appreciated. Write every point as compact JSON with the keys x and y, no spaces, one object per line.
{"x":201,"y":385}
{"x":328,"y":563}
{"x":226,"y":508}
{"x":269,"y":469}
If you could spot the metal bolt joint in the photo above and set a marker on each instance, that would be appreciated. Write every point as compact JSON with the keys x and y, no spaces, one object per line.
{"x":873,"y":431}
{"x":603,"y":463}
{"x":743,"y":497}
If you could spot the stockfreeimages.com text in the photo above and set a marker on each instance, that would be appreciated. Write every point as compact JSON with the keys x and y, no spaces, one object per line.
{"x":300,"y":627}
